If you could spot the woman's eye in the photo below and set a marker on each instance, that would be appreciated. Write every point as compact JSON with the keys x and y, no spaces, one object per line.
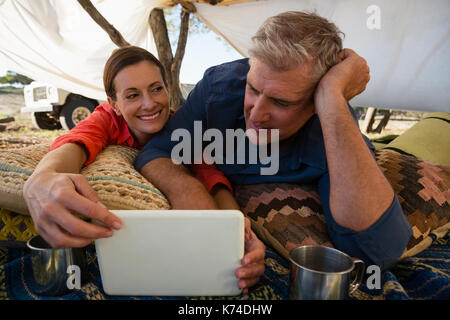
{"x":158,"y":89}
{"x":131,"y":96}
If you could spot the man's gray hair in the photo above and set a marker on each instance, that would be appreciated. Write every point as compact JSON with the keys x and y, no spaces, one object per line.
{"x":292,"y":38}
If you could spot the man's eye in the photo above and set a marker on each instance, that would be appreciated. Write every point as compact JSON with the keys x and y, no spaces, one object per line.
{"x":281,"y":104}
{"x":253,"y":90}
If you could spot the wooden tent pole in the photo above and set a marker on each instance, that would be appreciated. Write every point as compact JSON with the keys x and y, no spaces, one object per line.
{"x":369,"y":120}
{"x":113,"y":33}
{"x":171,"y":63}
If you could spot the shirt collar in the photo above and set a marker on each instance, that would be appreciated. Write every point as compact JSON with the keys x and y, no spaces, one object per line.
{"x":125,"y":136}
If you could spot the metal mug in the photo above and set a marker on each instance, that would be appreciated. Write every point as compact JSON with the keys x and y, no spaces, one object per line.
{"x":51,"y":266}
{"x":323,"y":273}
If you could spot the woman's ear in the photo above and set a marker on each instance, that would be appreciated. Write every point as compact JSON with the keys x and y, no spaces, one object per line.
{"x":114,"y":105}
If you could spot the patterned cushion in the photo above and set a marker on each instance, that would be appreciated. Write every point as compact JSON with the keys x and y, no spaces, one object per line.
{"x":16,"y":165}
{"x":15,"y":227}
{"x":288,"y":215}
{"x":284,"y":215}
{"x":111,"y":175}
{"x":119,"y":185}
{"x":423,"y":189}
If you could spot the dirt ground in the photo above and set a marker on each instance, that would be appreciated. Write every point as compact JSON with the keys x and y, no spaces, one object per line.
{"x":21,"y":132}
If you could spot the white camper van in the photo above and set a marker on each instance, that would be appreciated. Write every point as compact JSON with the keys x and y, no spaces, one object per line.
{"x":55,"y":108}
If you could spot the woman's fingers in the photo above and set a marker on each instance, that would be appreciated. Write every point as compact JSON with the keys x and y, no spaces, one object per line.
{"x":75,"y":226}
{"x":82,"y":203}
{"x":57,"y":238}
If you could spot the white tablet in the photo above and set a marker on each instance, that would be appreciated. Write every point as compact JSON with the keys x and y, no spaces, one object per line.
{"x":173,"y":253}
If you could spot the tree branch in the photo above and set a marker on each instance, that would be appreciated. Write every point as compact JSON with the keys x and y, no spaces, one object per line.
{"x":113,"y":33}
{"x":182,"y":39}
{"x":158,"y":25}
{"x":190,"y":7}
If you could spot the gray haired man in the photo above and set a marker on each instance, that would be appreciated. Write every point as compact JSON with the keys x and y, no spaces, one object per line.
{"x":298,"y":80}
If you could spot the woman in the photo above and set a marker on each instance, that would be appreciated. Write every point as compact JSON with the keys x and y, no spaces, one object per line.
{"x":137,"y":108}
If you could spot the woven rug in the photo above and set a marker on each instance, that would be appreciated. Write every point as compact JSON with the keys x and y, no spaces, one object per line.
{"x":425,"y":276}
{"x":16,"y":282}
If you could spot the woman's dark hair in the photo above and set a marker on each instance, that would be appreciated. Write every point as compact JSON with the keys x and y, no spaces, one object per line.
{"x":124,"y":57}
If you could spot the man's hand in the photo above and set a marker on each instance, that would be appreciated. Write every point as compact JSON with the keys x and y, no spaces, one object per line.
{"x":349,"y":77}
{"x":53,"y":197}
{"x":252,"y":267}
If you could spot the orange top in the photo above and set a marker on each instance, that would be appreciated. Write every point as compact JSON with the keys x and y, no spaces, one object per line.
{"x":104,"y":127}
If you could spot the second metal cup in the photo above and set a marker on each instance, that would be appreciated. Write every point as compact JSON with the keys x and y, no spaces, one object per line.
{"x":323,"y":273}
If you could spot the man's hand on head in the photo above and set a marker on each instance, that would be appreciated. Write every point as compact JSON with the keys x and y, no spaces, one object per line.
{"x":347,"y":79}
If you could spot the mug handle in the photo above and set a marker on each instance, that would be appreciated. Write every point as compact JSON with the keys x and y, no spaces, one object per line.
{"x":360,"y":267}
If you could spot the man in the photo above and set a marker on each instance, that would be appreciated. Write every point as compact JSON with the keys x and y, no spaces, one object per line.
{"x":298,"y":80}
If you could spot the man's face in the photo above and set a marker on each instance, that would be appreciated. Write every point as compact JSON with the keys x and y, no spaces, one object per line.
{"x":281,"y":100}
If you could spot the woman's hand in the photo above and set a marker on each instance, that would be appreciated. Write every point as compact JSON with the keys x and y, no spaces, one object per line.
{"x":53,"y":196}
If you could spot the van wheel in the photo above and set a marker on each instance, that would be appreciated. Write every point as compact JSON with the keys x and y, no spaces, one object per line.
{"x":44,"y":120}
{"x":74,"y":111}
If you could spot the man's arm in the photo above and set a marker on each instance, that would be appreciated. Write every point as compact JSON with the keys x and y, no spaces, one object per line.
{"x":359,"y":192}
{"x":182,"y":189}
{"x":55,"y":190}
{"x":154,"y":161}
{"x":186,"y":192}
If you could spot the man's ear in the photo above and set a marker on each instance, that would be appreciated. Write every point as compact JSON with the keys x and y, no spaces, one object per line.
{"x":114,"y":105}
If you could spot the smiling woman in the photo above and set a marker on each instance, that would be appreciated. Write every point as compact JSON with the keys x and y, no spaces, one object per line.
{"x":107,"y":125}
{"x":141,"y":99}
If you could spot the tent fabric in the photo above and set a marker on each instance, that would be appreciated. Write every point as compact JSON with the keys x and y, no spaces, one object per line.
{"x":409,"y":56}
{"x":57,"y":42}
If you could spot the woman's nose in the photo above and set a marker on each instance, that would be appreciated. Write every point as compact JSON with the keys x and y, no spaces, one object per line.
{"x":147,"y":101}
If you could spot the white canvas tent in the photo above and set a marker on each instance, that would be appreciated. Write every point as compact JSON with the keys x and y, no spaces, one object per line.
{"x":406,"y":42}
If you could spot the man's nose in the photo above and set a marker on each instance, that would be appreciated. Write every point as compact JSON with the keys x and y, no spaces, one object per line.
{"x":261,"y":110}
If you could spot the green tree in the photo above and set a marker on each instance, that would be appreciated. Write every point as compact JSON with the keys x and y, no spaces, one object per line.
{"x":196,"y":26}
{"x":164,"y":33}
{"x":13,"y":77}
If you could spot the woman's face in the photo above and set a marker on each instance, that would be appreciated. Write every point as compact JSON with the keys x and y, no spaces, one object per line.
{"x":142,"y":99}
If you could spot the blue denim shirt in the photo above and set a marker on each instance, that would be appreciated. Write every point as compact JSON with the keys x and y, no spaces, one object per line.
{"x":217,"y":101}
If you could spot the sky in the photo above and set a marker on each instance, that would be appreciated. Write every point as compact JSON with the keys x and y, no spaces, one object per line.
{"x":204,"y":50}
